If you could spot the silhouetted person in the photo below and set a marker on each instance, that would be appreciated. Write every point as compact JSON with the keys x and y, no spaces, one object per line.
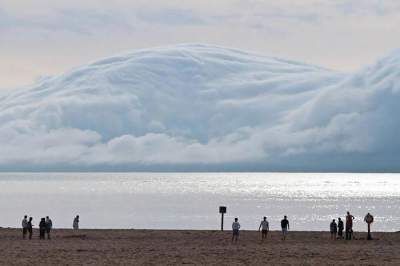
{"x":49,"y":226}
{"x":285,"y":227}
{"x":349,"y":226}
{"x":333,"y":229}
{"x":30,"y":226}
{"x":75,"y":224}
{"x":235,"y":230}
{"x":42,"y":228}
{"x":24,"y":226}
{"x":264,"y":225}
{"x":369,"y":219}
{"x":340,"y":228}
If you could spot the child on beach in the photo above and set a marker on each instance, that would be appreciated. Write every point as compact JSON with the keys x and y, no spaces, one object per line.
{"x":264,"y":225}
{"x":285,"y":227}
{"x":340,"y":228}
{"x":333,"y":229}
{"x":235,"y":230}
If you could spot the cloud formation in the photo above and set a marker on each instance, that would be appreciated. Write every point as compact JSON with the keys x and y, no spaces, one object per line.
{"x":45,"y":37}
{"x":204,"y":107}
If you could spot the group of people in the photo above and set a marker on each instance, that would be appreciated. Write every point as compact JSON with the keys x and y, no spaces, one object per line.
{"x":45,"y":226}
{"x":336,"y":229}
{"x":264,"y":228}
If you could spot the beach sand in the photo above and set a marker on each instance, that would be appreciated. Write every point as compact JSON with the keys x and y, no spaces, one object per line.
{"x":170,"y":247}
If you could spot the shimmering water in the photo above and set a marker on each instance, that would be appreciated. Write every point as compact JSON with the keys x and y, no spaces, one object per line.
{"x":191,"y":200}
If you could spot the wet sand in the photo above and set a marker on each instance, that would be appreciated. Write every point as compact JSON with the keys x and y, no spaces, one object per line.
{"x":164,"y":247}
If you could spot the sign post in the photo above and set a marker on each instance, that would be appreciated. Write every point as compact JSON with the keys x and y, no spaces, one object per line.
{"x":222,"y":211}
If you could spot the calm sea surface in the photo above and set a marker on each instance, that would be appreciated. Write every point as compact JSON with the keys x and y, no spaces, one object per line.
{"x":191,"y":200}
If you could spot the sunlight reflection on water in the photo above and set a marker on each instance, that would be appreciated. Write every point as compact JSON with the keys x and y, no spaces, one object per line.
{"x":190,"y":200}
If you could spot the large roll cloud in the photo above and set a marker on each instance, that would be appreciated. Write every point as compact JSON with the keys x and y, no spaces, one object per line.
{"x":199,"y":107}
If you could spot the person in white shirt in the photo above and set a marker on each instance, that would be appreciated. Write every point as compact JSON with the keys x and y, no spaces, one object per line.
{"x":24,"y":226}
{"x":75,"y":224}
{"x":235,"y":230}
{"x":264,"y":225}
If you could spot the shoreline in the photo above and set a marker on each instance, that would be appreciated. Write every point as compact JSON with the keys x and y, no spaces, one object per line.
{"x":197,"y":230}
{"x":193,"y":230}
{"x":155,"y":247}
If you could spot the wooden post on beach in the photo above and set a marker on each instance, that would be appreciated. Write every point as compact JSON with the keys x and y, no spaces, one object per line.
{"x":222,"y":211}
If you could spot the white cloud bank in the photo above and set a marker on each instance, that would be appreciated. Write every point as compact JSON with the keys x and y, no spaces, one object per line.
{"x":199,"y":107}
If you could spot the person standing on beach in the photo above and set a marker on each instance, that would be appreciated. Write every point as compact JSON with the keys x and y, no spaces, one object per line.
{"x":24,"y":226}
{"x":264,"y":225}
{"x":75,"y":223}
{"x":349,"y":226}
{"x":30,"y":226}
{"x":340,"y":228}
{"x":369,"y":219}
{"x":235,"y":230}
{"x":333,"y":229}
{"x":285,"y":227}
{"x":42,"y":228}
{"x":49,"y":226}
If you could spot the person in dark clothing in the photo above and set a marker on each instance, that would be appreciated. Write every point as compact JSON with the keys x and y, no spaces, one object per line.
{"x":75,"y":223}
{"x":285,"y":227}
{"x":349,"y":226}
{"x":42,"y":228}
{"x":49,"y":226}
{"x":333,"y":228}
{"x":29,"y":227}
{"x":340,"y":228}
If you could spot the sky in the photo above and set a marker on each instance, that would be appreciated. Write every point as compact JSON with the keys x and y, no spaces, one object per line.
{"x":45,"y":37}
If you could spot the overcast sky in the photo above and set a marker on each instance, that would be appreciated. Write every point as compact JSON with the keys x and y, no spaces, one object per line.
{"x":46,"y":37}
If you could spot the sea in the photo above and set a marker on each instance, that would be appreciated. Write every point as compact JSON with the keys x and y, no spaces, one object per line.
{"x":192,"y":200}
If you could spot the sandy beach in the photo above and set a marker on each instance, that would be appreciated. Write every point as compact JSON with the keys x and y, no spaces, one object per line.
{"x":170,"y":247}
